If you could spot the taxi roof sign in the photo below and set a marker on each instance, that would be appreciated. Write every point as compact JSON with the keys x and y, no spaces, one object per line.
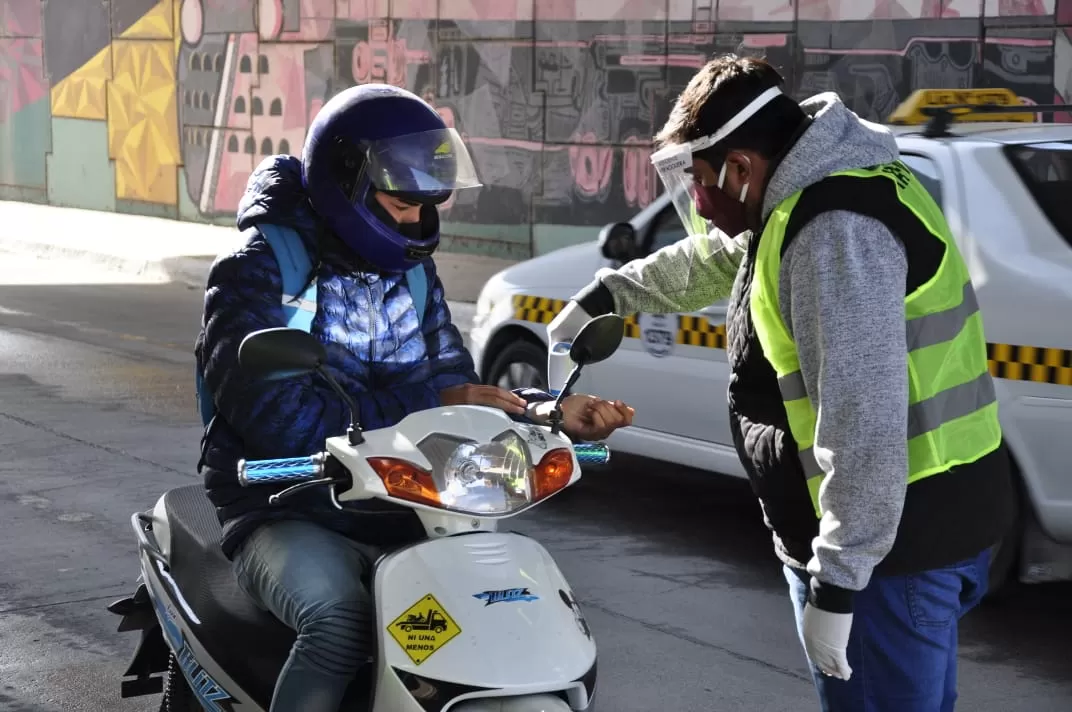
{"x":923,"y":105}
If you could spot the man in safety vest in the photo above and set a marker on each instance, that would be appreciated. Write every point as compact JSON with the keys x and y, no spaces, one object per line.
{"x":861,"y":405}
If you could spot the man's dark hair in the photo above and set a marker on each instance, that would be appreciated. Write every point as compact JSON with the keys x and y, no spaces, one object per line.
{"x":723,"y":87}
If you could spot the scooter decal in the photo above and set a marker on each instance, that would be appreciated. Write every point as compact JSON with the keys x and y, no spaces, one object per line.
{"x":508,"y":595}
{"x":423,"y":628}
{"x":571,"y":603}
{"x":209,"y":693}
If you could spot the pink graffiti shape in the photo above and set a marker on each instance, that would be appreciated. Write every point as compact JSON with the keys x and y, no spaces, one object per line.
{"x":21,"y":80}
{"x":591,"y":164}
{"x":638,"y":180}
{"x":20,"y":18}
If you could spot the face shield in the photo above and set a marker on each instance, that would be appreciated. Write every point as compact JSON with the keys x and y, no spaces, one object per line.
{"x":673,"y":163}
{"x":423,"y":166}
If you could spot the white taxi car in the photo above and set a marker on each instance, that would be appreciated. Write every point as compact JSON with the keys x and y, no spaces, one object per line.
{"x":1006,"y":189}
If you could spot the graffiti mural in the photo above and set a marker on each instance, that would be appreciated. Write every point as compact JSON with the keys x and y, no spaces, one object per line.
{"x":163,"y":107}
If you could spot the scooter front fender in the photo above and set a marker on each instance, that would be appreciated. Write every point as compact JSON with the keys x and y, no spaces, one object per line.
{"x":485,"y":613}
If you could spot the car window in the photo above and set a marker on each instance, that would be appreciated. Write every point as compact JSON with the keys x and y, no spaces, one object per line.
{"x":666,"y":229}
{"x":1046,"y":170}
{"x":926,"y":170}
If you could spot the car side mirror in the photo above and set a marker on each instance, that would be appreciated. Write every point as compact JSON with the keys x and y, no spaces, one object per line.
{"x":618,"y":241}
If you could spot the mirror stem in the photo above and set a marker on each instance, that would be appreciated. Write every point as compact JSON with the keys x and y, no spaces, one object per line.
{"x":556,"y":414}
{"x":353,"y":432}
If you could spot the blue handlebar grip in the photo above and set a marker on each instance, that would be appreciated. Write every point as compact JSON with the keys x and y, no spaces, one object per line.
{"x":287,"y":469}
{"x":592,"y":453}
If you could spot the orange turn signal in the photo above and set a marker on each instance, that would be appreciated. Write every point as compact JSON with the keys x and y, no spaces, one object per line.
{"x":405,"y":480}
{"x":553,"y":473}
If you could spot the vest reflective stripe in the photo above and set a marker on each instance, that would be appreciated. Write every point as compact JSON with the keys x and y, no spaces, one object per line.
{"x":952,"y":407}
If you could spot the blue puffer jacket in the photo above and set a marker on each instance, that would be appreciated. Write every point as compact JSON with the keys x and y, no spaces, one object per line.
{"x":376,"y":349}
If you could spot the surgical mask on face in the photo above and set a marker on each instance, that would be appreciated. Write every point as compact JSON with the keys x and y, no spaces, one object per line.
{"x":713,"y":203}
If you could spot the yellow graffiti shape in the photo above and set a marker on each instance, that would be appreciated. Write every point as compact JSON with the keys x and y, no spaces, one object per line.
{"x":143,"y":121}
{"x":157,"y":24}
{"x":81,"y":94}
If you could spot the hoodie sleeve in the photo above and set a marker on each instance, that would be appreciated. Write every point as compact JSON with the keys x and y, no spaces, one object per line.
{"x":294,"y":416}
{"x":842,"y":289}
{"x":690,"y":274}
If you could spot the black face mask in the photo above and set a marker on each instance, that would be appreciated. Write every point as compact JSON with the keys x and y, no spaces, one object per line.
{"x":421,"y":230}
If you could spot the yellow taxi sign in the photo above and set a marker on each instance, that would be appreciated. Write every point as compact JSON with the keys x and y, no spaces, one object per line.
{"x":910,"y":111}
{"x":423,"y":628}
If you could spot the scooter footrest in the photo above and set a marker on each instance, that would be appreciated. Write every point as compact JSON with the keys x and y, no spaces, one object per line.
{"x":141,"y":686}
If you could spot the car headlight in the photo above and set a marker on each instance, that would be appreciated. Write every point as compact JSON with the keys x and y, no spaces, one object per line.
{"x":484,"y":306}
{"x":496,"y":477}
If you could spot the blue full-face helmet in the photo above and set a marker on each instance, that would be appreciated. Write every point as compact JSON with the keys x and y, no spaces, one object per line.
{"x":377,"y":137}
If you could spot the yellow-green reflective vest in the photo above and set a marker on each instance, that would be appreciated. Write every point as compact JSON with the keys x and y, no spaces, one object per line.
{"x":952,"y":407}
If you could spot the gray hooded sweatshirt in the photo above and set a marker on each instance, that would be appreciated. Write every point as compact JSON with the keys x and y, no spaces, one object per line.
{"x":842,"y":294}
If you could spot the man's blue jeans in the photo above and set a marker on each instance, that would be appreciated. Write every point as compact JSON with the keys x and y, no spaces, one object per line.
{"x":310,"y":578}
{"x":903,"y":645}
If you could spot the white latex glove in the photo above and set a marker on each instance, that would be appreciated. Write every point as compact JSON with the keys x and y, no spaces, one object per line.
{"x":826,"y":637}
{"x":562,"y":330}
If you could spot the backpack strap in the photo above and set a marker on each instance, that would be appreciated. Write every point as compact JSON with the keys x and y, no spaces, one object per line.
{"x":417,"y":281}
{"x":299,"y":310}
{"x":294,"y":268}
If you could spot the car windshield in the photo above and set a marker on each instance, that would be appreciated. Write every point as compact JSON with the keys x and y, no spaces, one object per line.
{"x":1046,"y":169}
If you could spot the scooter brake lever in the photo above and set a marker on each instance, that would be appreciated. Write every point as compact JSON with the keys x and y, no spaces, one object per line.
{"x":294,"y":489}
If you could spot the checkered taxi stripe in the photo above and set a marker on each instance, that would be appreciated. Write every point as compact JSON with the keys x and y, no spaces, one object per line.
{"x":1015,"y":363}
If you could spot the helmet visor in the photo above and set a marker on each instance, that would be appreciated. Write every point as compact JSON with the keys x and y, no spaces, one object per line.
{"x":434,"y":161}
{"x":674,"y":166}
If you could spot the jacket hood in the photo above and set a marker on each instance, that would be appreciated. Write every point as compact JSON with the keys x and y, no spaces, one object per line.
{"x":836,"y":140}
{"x":274,"y":194}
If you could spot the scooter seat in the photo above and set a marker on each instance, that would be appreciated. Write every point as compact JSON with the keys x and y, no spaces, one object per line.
{"x":249,"y":644}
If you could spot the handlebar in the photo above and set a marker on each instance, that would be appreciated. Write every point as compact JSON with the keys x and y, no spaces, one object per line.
{"x":302,"y":469}
{"x":282,"y":470}
{"x":591,"y":453}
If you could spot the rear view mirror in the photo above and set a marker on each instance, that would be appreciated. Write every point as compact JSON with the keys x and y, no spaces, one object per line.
{"x":279,"y":353}
{"x":598,"y":340}
{"x":618,"y":242}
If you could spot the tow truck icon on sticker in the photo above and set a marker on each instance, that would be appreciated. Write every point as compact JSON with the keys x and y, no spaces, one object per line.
{"x":423,"y":628}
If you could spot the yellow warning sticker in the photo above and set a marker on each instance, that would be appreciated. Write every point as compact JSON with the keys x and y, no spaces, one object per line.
{"x":423,"y":628}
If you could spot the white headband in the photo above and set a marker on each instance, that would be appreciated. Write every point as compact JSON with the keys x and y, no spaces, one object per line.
{"x":734,"y":123}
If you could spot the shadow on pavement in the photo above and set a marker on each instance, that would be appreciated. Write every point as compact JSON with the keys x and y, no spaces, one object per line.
{"x":680,"y":512}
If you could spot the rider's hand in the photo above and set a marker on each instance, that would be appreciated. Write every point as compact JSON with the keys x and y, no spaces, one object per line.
{"x":474,"y":394}
{"x":826,"y":639}
{"x":587,"y":417}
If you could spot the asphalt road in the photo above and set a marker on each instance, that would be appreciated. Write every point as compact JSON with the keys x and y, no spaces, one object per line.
{"x":673,"y":567}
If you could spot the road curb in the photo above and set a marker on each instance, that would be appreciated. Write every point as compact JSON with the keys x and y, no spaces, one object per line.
{"x":190,"y":271}
{"x":172,"y":250}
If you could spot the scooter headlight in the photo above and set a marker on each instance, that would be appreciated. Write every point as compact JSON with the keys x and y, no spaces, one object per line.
{"x":496,"y":477}
{"x":490,"y":478}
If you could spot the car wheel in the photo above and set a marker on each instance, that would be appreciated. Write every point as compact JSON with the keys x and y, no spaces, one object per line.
{"x":522,"y":364}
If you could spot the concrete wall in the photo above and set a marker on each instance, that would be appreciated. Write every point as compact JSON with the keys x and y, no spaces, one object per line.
{"x":164,"y":106}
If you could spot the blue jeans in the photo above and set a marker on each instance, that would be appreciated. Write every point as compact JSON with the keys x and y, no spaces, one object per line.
{"x":903,"y":645}
{"x":310,"y":578}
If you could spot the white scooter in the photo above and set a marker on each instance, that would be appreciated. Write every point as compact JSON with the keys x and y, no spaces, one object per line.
{"x":468,"y":620}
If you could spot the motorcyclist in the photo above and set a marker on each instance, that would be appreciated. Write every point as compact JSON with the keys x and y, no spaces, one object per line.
{"x":363,"y":198}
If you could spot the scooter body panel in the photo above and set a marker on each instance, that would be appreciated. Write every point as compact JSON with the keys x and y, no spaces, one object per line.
{"x":488,"y":610}
{"x":214,"y":689}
